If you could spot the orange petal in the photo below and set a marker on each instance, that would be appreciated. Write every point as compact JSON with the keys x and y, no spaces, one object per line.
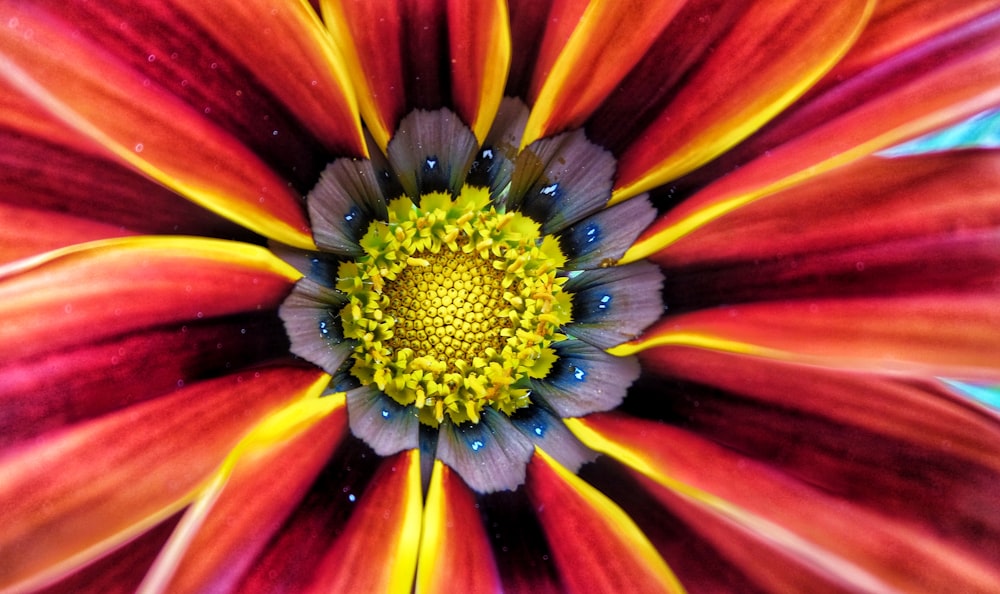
{"x":955,"y":335}
{"x":28,"y":231}
{"x":50,"y":170}
{"x":596,"y":546}
{"x":290,"y":51}
{"x":595,"y":58}
{"x":398,"y":61}
{"x":939,"y":82}
{"x":918,"y":416}
{"x":455,"y":553}
{"x":539,"y":32}
{"x":773,"y":54}
{"x":787,"y":535}
{"x":77,"y":494}
{"x":111,"y":287}
{"x":144,"y":126}
{"x":479,"y":41}
{"x":121,"y":571}
{"x":377,"y":552}
{"x":226,"y":527}
{"x":930,"y":196}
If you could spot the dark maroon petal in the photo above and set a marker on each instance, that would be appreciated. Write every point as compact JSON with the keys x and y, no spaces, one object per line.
{"x":86,"y":380}
{"x":289,"y":562}
{"x":225,"y":530}
{"x":699,"y":566}
{"x":377,"y":551}
{"x":44,"y":166}
{"x":910,"y":449}
{"x":657,"y":78}
{"x":519,"y":547}
{"x":168,"y":45}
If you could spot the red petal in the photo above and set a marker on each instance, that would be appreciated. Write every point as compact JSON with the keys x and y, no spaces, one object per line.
{"x":938,"y":82}
{"x":377,"y":552}
{"x":914,"y":415}
{"x":912,"y":450}
{"x":539,"y":31}
{"x":592,"y":61}
{"x":93,"y":292}
{"x":49,"y":168}
{"x":655,"y":80}
{"x":956,"y":335}
{"x":596,"y":546}
{"x":121,"y":571}
{"x":224,"y":530}
{"x":904,"y":40}
{"x":399,"y":59}
{"x":917,"y":197}
{"x":289,"y":562}
{"x":752,"y":513}
{"x":76,"y":494}
{"x":88,"y":379}
{"x":772,"y":55}
{"x":287,"y":48}
{"x":28,"y":231}
{"x":455,"y":553}
{"x":143,"y":125}
{"x":479,"y":42}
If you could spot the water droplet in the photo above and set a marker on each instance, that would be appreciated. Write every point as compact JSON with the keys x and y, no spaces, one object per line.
{"x":139,"y":147}
{"x":151,"y":58}
{"x":352,"y":498}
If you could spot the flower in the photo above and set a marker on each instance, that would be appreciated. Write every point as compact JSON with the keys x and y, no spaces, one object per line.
{"x":193,"y":192}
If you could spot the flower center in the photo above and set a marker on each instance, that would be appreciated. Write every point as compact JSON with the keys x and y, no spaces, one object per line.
{"x":454,"y":306}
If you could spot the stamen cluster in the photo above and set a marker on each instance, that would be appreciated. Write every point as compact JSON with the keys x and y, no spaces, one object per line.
{"x":454,"y":306}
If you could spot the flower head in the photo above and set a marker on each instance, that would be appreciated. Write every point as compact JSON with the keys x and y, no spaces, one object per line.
{"x":482,"y":296}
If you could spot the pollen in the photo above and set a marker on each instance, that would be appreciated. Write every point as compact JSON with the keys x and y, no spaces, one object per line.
{"x":454,"y":306}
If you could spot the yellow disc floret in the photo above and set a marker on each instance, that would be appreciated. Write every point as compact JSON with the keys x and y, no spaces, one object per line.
{"x":454,"y":306}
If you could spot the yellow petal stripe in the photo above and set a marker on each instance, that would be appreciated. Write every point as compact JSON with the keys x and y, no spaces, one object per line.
{"x":629,"y":537}
{"x":272,"y":430}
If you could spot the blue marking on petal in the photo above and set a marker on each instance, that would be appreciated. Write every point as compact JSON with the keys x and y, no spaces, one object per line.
{"x":477,"y":445}
{"x":385,"y":414}
{"x":592,"y":232}
{"x":579,"y":373}
{"x":431,"y":163}
{"x":550,"y":190}
{"x":604,"y":302}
